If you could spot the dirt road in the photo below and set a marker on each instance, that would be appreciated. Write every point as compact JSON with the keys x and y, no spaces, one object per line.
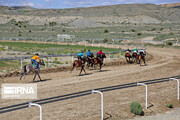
{"x":164,"y":63}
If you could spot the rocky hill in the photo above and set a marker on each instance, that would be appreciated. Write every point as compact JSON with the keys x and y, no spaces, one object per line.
{"x":94,"y":16}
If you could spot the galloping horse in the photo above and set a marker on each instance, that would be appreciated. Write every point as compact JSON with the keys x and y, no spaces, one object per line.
{"x":29,"y":67}
{"x":90,"y":61}
{"x":99,"y":61}
{"x":128,"y":56}
{"x":134,"y":57}
{"x":78,"y":63}
{"x":141,"y":57}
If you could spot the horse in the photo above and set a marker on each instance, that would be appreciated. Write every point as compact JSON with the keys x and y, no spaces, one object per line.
{"x":77,"y":64}
{"x":141,"y":57}
{"x":90,"y":61}
{"x":134,"y":57}
{"x":29,"y":67}
{"x":128,"y":56}
{"x":99,"y":61}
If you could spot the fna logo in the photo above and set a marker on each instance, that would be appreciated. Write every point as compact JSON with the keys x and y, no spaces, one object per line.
{"x":19,"y":91}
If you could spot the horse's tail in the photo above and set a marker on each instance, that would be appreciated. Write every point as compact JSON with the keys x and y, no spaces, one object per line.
{"x":73,"y":66}
{"x":24,"y":72}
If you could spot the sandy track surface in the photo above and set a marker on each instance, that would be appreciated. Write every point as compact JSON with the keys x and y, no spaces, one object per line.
{"x":164,"y":63}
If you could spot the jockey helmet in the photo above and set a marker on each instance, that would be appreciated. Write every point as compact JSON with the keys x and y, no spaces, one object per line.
{"x":36,"y":54}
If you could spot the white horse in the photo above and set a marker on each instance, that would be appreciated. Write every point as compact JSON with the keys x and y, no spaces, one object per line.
{"x":29,"y":67}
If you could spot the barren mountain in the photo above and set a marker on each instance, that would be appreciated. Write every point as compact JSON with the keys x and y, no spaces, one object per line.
{"x":101,"y":15}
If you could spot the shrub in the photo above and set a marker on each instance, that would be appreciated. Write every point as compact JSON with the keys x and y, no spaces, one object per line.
{"x":105,"y":40}
{"x":139,"y":34}
{"x":19,"y":34}
{"x":169,"y":105}
{"x":133,"y":30}
{"x":106,"y":31}
{"x":136,"y":108}
{"x":66,"y":62}
{"x":162,"y":29}
{"x":153,"y":29}
{"x":169,"y":43}
{"x":57,"y":62}
{"x":171,"y":33}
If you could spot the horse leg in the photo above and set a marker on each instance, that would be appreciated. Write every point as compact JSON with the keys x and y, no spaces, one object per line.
{"x":94,"y":66}
{"x":34,"y":76}
{"x":72,"y":67}
{"x":84,"y":70}
{"x":126,"y":59}
{"x":80,"y":71}
{"x":39,"y":76}
{"x":144,"y":61}
{"x":100,"y":67}
{"x":21,"y":76}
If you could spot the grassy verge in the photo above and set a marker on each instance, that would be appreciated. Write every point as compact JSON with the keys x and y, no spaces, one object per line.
{"x":52,"y":48}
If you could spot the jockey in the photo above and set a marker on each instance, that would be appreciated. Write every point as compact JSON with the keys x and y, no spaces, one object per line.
{"x":128,"y":50}
{"x":34,"y":58}
{"x":99,"y":55}
{"x":81,"y":57}
{"x":142,"y":52}
{"x":88,"y":53}
{"x":135,"y":50}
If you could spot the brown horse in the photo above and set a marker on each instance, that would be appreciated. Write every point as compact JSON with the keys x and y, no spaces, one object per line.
{"x":134,"y":57}
{"x":90,"y":61}
{"x":29,"y":67}
{"x":99,"y":61}
{"x":141,"y":57}
{"x":128,"y":56}
{"x":77,"y":64}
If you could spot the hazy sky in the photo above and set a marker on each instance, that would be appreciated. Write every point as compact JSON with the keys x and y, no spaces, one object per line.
{"x":76,"y":3}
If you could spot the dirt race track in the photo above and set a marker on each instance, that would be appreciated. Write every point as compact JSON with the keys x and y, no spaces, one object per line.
{"x":165,"y":62}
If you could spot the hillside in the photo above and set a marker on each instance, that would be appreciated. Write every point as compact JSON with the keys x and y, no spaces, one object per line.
{"x":93,"y":16}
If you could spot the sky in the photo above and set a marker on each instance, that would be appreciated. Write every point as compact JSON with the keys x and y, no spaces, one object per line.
{"x":60,"y":4}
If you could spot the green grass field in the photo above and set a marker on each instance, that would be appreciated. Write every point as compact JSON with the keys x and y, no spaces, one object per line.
{"x":52,"y":48}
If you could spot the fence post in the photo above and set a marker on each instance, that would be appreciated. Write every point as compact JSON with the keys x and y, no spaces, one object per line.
{"x":31,"y":104}
{"x":93,"y":91}
{"x":21,"y":63}
{"x":177,"y":86}
{"x":146,"y":91}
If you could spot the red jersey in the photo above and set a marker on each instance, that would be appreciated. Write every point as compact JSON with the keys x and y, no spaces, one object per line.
{"x":100,"y":52}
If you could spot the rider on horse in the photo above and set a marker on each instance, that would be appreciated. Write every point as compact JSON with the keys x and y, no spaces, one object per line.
{"x":81,"y":57}
{"x":128,"y":51}
{"x":33,"y":60}
{"x":90,"y":56}
{"x":142,"y":52}
{"x":135,"y":51}
{"x":99,"y":55}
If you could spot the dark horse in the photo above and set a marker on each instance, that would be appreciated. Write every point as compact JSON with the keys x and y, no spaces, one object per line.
{"x":141,"y":57}
{"x":77,"y":64}
{"x":90,"y":61}
{"x":98,"y":61}
{"x":128,"y":56}
{"x":29,"y":67}
{"x":134,"y":57}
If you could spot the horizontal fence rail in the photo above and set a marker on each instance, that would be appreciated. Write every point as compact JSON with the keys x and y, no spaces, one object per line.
{"x":81,"y":93}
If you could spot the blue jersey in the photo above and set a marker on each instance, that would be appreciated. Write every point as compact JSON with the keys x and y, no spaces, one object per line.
{"x":89,"y":53}
{"x":81,"y":54}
